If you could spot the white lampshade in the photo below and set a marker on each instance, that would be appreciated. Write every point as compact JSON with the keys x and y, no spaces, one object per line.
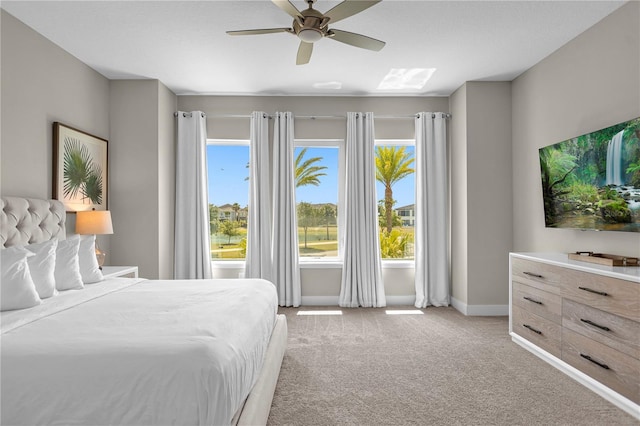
{"x":94,"y":222}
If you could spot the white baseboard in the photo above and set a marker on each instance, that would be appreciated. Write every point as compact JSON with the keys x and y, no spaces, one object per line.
{"x":480,"y":310}
{"x":408,"y":300}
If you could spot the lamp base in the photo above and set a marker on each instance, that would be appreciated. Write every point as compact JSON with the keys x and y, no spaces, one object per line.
{"x":100,"y":256}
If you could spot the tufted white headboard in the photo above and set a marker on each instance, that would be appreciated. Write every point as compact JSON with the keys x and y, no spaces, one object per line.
{"x":28,"y":221}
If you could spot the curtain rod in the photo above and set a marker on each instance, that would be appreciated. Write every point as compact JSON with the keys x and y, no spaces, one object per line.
{"x":314,"y":117}
{"x":187,"y":114}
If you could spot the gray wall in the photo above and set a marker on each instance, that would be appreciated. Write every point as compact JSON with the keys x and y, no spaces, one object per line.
{"x":489,"y":201}
{"x":305,"y":105}
{"x":481,"y":214}
{"x":42,"y":83}
{"x":590,"y":83}
{"x":458,"y":183}
{"x":142,"y":188}
{"x":167,"y":105}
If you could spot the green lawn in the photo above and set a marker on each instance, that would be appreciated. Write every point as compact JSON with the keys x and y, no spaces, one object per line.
{"x":317,"y":243}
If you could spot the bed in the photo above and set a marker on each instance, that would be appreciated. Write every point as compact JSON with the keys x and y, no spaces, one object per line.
{"x":131,"y":351}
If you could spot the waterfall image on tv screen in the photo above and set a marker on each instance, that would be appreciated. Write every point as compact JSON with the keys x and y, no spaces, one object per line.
{"x":593,"y":181}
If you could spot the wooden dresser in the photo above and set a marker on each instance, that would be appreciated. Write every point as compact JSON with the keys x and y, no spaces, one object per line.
{"x":582,"y":318}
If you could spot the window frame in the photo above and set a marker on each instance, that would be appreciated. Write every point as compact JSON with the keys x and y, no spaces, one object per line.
{"x":309,"y":262}
{"x":324,"y":262}
{"x":397,"y":263}
{"x":221,"y":263}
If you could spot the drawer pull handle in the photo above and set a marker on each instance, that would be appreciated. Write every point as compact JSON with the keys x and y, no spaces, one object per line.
{"x":601,"y":327}
{"x":533,"y":300}
{"x":601,"y":293}
{"x":599,"y":364}
{"x":532,"y":329}
{"x":531,"y":274}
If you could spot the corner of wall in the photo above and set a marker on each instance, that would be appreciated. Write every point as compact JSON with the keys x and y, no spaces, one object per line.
{"x":458,"y":191}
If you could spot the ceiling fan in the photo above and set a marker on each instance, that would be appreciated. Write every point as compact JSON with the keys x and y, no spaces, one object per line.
{"x":310,"y":26}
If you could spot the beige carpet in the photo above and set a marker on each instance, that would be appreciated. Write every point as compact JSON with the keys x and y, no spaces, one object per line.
{"x":440,"y":368}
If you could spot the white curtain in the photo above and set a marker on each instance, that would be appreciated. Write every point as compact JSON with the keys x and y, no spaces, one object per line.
{"x":192,"y":256}
{"x":258,"y":260}
{"x":284,"y":243}
{"x":362,"y":267}
{"x":431,"y":226}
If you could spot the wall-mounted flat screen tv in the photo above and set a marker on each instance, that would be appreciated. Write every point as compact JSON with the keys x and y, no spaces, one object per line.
{"x":593,"y":181}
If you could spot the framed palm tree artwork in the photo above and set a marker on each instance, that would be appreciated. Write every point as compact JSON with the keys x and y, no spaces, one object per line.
{"x":80,"y":165}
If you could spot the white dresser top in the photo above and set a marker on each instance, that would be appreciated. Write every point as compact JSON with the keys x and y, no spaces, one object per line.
{"x":629,"y":273}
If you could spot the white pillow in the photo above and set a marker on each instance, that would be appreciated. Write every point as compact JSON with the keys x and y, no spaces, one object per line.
{"x":67,"y":270}
{"x":42,"y":266}
{"x":89,"y":268}
{"x":17,"y":290}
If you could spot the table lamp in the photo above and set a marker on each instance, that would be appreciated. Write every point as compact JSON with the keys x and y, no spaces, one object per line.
{"x":95,"y":222}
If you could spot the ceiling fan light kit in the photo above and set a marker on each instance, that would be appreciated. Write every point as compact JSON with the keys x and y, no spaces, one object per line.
{"x":310,"y":35}
{"x":311,"y":26}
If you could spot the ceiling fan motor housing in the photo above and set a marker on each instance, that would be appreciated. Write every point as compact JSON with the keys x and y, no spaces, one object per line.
{"x":311,"y":26}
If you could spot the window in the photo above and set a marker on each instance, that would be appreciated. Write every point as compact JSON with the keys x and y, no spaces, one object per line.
{"x":395,"y":189}
{"x":228,"y":169}
{"x":318,"y":165}
{"x":319,"y":168}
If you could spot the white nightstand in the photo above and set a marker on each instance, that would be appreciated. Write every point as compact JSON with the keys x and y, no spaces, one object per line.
{"x":120,"y":271}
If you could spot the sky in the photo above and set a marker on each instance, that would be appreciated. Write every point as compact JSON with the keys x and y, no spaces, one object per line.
{"x":228,"y":171}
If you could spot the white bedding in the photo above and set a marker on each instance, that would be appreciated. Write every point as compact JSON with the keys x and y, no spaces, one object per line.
{"x":144,"y":353}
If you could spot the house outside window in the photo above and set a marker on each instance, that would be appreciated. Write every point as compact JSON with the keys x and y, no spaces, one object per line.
{"x":407,"y":215}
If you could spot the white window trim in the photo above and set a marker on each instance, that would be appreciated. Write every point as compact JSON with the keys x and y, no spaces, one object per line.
{"x":242,"y":142}
{"x":396,"y":142}
{"x":227,"y":264}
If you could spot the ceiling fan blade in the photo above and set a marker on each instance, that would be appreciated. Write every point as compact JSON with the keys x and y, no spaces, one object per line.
{"x":348,"y":8}
{"x":263,"y":31}
{"x":357,"y":40}
{"x":304,"y":53}
{"x":288,"y":7}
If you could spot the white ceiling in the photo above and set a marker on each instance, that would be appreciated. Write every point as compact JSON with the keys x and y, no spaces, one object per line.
{"x":184,"y":44}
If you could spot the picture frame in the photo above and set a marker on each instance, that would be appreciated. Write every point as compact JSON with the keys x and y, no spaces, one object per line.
{"x":80,"y":169}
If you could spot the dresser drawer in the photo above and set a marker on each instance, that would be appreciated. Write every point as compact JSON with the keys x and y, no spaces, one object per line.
{"x":615,"y":331}
{"x":539,"y":331}
{"x":539,"y":302}
{"x":610,"y":367}
{"x":605,"y":293}
{"x":536,"y":274}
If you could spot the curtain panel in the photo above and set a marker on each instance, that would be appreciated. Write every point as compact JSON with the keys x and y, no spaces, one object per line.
{"x":284,"y":242}
{"x":432,"y":278}
{"x":192,"y":255}
{"x":362,"y":266}
{"x":258,"y":262}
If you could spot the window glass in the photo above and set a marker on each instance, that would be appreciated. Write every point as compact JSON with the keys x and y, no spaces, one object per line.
{"x":395,"y":189}
{"x":228,"y":170}
{"x":316,"y":175}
